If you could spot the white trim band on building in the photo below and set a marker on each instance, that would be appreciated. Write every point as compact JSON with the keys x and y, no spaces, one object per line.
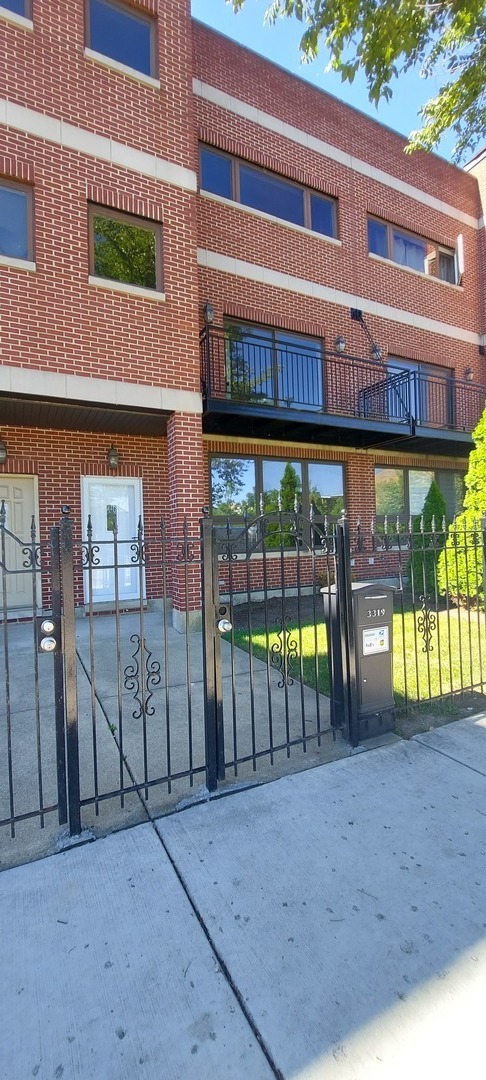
{"x":31,"y":382}
{"x":302,"y":138}
{"x":69,"y":137}
{"x":226,"y":264}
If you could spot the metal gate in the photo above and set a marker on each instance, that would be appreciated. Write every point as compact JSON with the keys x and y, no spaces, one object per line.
{"x":265,"y":644}
{"x":208,"y":664}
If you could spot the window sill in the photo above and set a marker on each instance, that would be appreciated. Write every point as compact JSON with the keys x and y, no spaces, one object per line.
{"x":114,"y":65}
{"x":123,"y":287}
{"x":270,"y":217}
{"x":17,"y":264}
{"x":416,"y":273}
{"x":17,"y":20}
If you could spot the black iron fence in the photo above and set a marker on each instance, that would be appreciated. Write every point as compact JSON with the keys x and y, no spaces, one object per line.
{"x":220,"y":654}
{"x":253,"y":371}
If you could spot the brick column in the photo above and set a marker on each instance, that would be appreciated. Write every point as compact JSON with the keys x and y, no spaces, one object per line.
{"x":187,"y":488}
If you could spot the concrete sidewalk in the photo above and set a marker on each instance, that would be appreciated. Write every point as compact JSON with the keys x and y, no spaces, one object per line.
{"x":329,"y":925}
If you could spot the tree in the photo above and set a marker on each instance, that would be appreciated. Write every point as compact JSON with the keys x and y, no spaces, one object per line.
{"x":460,"y":569}
{"x":383,"y":38}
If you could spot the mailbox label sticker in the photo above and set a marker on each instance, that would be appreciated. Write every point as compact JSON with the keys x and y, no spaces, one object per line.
{"x":375,"y":640}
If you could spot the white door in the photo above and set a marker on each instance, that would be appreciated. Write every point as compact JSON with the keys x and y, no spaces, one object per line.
{"x":104,"y":498}
{"x":19,"y":495}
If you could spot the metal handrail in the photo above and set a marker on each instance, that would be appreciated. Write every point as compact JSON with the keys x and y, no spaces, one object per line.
{"x":260,"y":372}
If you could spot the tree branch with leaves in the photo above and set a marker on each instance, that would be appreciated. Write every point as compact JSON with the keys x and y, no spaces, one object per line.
{"x":385,"y":38}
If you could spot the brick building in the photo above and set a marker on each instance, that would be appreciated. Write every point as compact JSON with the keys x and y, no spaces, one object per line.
{"x":219,"y":284}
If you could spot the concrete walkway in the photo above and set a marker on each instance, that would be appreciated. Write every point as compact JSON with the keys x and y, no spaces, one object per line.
{"x":329,"y":925}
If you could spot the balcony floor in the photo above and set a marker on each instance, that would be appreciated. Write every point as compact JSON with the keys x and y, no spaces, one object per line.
{"x":226,"y":417}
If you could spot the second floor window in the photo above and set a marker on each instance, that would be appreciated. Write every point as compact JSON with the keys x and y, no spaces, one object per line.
{"x":265,"y":191}
{"x":125,"y":249}
{"x":122,"y":34}
{"x":405,"y":249}
{"x":273,"y":367}
{"x":16,"y":231}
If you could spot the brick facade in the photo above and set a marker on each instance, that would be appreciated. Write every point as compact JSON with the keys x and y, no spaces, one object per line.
{"x":80,"y":131}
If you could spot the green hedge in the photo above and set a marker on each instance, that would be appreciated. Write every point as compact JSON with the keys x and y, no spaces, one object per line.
{"x":460,"y":566}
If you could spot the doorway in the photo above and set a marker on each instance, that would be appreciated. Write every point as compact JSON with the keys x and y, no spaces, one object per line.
{"x":112,"y":502}
{"x":19,"y":494}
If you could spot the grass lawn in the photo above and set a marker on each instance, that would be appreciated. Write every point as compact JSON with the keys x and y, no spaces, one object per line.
{"x":456,"y":661}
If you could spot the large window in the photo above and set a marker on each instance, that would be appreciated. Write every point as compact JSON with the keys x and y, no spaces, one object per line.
{"x":402,"y":492}
{"x":405,"y":249}
{"x":125,"y":249}
{"x":242,"y":485}
{"x":16,"y":231}
{"x":267,"y":192}
{"x":123,"y":34}
{"x":271,"y":366}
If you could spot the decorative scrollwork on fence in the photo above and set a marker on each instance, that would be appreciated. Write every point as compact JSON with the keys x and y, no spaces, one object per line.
{"x":185,"y":552}
{"x":31,"y":559}
{"x":89,"y":555}
{"x":426,"y":624}
{"x":138,"y":553}
{"x":283,"y":652}
{"x":227,"y":552}
{"x":142,"y":681}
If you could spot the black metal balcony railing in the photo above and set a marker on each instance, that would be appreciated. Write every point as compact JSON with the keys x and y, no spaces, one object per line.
{"x":253,"y":372}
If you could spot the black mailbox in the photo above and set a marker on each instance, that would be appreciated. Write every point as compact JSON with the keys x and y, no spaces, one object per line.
{"x":373,"y":636}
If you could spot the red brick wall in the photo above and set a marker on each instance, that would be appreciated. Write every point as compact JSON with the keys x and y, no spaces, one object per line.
{"x":238,"y":71}
{"x":47,"y":71}
{"x":232,"y":231}
{"x":60,"y":458}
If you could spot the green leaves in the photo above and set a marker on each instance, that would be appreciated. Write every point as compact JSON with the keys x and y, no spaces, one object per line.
{"x":445,"y":39}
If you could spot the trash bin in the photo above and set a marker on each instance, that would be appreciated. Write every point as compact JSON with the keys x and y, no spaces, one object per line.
{"x":373,"y":635}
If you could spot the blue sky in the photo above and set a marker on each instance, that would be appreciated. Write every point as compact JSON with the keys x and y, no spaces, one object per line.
{"x":280,"y":44}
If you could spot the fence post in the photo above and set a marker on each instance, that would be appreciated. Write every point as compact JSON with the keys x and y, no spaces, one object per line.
{"x":70,"y":676}
{"x":59,"y":703}
{"x":209,"y":680}
{"x":345,"y":616}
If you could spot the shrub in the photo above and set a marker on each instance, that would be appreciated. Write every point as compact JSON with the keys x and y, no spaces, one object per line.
{"x":460,"y":568}
{"x":427,"y":540}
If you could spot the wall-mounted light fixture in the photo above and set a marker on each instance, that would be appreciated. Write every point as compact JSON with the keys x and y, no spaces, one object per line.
{"x":468,"y":374}
{"x":208,"y":313}
{"x":112,"y":457}
{"x":3,"y":452}
{"x":340,"y":343}
{"x":375,"y":351}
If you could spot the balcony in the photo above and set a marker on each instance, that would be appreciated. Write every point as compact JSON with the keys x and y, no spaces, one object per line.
{"x":253,"y":388}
